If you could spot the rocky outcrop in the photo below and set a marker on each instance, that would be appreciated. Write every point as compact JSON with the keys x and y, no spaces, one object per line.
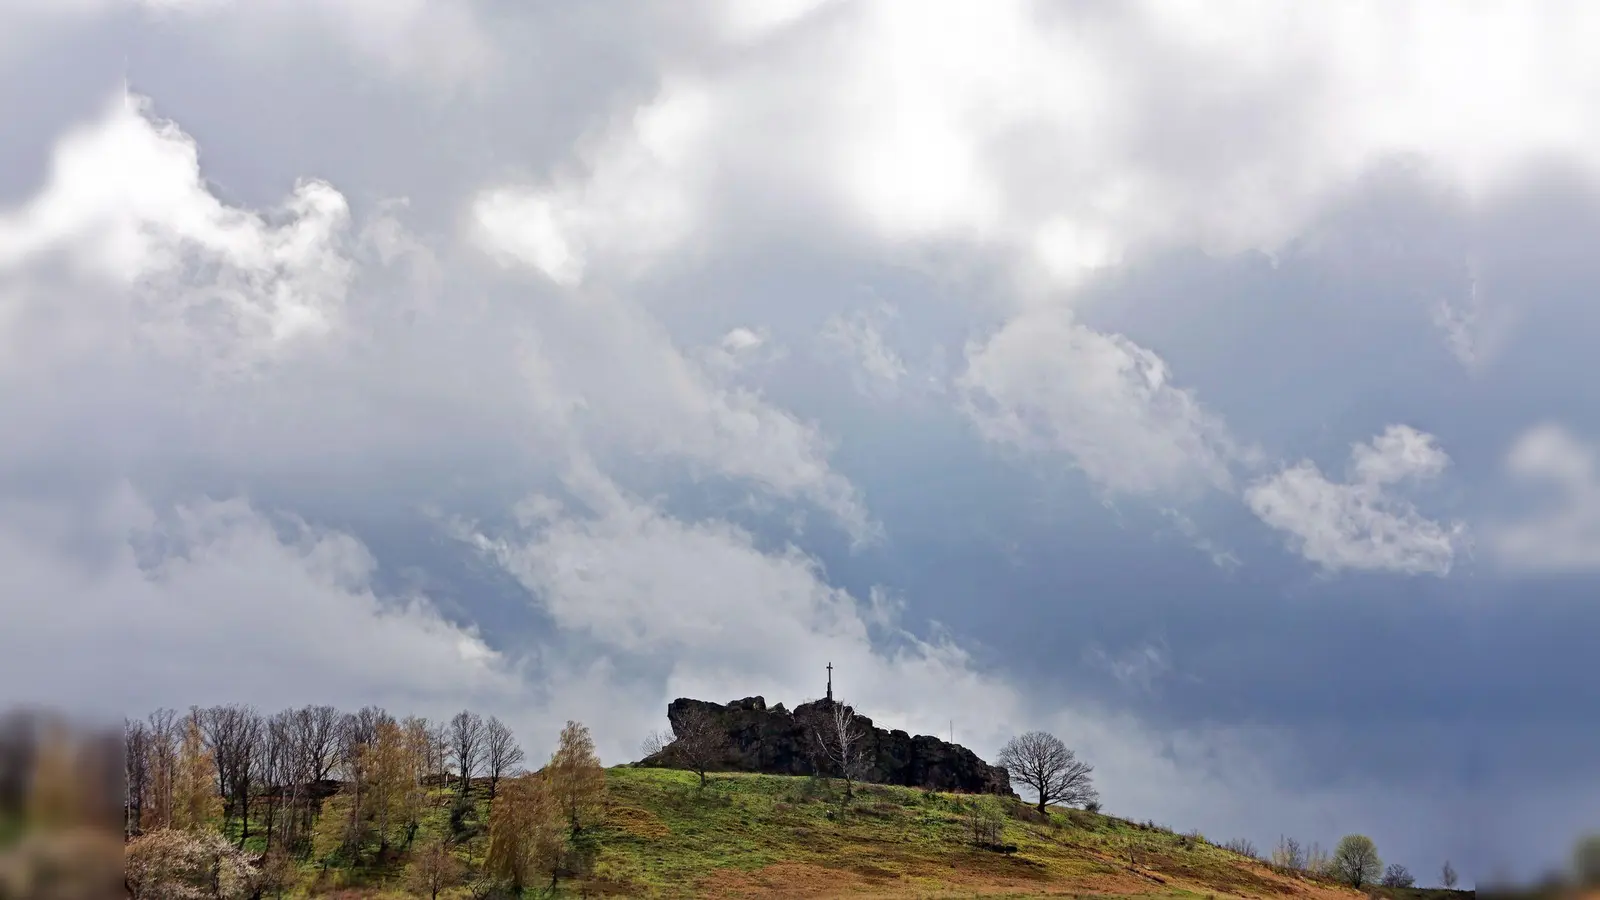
{"x":779,"y":742}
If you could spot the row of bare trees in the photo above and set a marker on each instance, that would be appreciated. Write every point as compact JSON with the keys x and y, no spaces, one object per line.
{"x":242,"y":769}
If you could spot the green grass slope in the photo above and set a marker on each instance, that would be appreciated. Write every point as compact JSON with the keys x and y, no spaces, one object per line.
{"x":774,"y":836}
{"x":768,"y":836}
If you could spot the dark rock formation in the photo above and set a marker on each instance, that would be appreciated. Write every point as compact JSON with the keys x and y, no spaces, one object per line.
{"x":779,"y":742}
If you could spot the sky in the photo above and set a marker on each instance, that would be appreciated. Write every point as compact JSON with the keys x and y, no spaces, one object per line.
{"x":1206,"y":383}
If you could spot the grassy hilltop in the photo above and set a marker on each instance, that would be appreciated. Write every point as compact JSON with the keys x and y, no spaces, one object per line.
{"x":775,"y":836}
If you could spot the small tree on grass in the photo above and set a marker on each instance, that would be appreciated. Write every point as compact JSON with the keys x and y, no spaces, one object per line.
{"x":433,"y":869}
{"x":1447,"y":876}
{"x":698,"y":742}
{"x":1398,"y":876}
{"x":842,"y":743}
{"x":1356,"y":862}
{"x":1289,"y":854}
{"x":576,"y":778}
{"x":1054,"y":773}
{"x":1318,"y":862}
{"x":985,"y":823}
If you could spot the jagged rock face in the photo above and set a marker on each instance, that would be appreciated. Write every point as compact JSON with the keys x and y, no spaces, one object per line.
{"x":779,"y":742}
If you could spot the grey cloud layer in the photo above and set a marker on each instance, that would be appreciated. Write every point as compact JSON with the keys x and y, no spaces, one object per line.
{"x":802,"y":324}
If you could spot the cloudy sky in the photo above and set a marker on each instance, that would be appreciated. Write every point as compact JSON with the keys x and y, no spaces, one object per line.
{"x":1209,"y":383}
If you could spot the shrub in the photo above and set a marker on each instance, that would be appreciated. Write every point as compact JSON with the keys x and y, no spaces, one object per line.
{"x":175,"y":865}
{"x":985,"y":824}
{"x":463,"y":817}
{"x":1243,"y":847}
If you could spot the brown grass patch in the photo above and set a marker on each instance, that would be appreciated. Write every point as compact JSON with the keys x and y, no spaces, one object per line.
{"x":867,"y":870}
{"x":786,"y":879}
{"x":640,"y":822}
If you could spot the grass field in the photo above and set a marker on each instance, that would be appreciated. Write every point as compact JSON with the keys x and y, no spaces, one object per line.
{"x":772,"y":836}
{"x":765,"y":836}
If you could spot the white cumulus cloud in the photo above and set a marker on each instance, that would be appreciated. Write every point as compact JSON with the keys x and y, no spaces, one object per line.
{"x":1047,"y":384}
{"x":1362,"y":523}
{"x":125,"y":204}
{"x":214,"y":602}
{"x":1563,"y":535}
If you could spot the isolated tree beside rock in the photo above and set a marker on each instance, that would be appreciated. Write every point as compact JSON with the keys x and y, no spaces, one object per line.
{"x":841,"y":742}
{"x":698,"y":743}
{"x":1356,"y":861}
{"x":1045,"y":765}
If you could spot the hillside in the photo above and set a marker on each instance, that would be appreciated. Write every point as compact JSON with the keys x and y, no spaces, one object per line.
{"x":763,"y":835}
{"x":782,"y":836}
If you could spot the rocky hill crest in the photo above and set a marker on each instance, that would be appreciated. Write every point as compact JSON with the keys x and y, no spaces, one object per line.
{"x":777,"y":741}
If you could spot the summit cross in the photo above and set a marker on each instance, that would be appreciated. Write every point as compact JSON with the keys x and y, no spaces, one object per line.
{"x":830,"y":682}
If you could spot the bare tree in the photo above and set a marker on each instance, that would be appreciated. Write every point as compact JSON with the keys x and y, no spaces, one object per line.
{"x":357,"y":741}
{"x":842,"y":744}
{"x":418,"y":744}
{"x":317,"y":734}
{"x":231,"y":734}
{"x":466,"y":742}
{"x":273,"y":766}
{"x":654,"y":743}
{"x":500,"y":752}
{"x":439,"y":750}
{"x":314,"y":736}
{"x":295,"y":774}
{"x":1447,"y":876}
{"x":1397,"y":876}
{"x":1318,"y":861}
{"x":1044,"y":764}
{"x":136,"y":773}
{"x":985,"y":823}
{"x":163,"y":737}
{"x":1289,"y":854}
{"x":698,"y":742}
